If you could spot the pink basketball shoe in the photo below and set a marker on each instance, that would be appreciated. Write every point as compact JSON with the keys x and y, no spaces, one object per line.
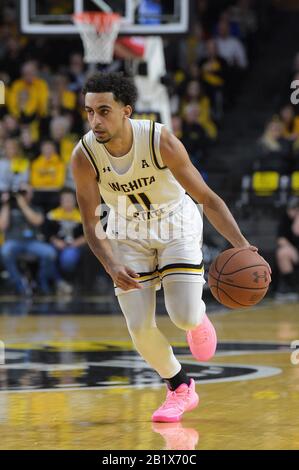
{"x":203,"y":340}
{"x":182,"y":399}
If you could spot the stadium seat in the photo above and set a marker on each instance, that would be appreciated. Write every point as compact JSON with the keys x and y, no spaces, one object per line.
{"x":264,"y":188}
{"x":265,"y":183}
{"x":295,"y":183}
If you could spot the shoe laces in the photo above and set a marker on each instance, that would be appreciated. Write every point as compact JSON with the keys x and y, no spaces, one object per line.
{"x":175,"y":398}
{"x":202,"y":335}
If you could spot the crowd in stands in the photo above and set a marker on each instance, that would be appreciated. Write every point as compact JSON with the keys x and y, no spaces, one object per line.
{"x":277,"y":152}
{"x":278,"y":147}
{"x":43,"y":117}
{"x":287,"y":251}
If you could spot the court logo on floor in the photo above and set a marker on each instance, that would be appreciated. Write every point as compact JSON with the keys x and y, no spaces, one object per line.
{"x":80,"y":365}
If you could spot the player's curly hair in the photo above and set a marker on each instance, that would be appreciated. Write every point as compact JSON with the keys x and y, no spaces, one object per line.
{"x":122,"y":87}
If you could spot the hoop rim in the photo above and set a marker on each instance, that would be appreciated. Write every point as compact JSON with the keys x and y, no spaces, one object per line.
{"x":93,"y":16}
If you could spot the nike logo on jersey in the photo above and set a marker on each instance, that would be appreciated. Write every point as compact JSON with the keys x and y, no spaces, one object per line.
{"x":132,"y":185}
{"x":107,"y":168}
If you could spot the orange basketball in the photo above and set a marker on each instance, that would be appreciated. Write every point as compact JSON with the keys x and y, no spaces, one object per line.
{"x":239,"y":278}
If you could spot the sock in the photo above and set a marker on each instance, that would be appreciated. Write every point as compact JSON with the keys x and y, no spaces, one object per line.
{"x":174,"y":382}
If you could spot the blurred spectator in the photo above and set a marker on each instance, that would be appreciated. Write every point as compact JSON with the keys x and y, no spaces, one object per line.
{"x":4,"y":93}
{"x":3,"y":136}
{"x":65,"y":232}
{"x":193,"y":135}
{"x":244,"y":16}
{"x":14,"y":167}
{"x":234,"y":29}
{"x":76,"y":73}
{"x":184,"y":78}
{"x":28,"y":96}
{"x":57,"y":110}
{"x":30,"y":147}
{"x":213,"y":69}
{"x":195,"y":95}
{"x":48,"y":170}
{"x":230,"y":48}
{"x":20,"y":222}
{"x":273,"y":150}
{"x":60,"y":135}
{"x":287,"y":252}
{"x":11,"y":126}
{"x":177,"y":125}
{"x":60,"y":88}
{"x":233,"y":52}
{"x":12,"y":57}
{"x":290,"y":122}
{"x":4,"y":174}
{"x":192,"y":49}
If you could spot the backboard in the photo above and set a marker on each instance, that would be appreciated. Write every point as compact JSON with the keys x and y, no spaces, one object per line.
{"x":140,"y":17}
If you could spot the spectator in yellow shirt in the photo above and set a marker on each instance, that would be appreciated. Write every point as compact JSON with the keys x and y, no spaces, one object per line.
{"x":290,"y":122}
{"x":194,"y":95}
{"x":48,"y":170}
{"x":28,"y":96}
{"x":66,"y":97}
{"x":60,"y":134}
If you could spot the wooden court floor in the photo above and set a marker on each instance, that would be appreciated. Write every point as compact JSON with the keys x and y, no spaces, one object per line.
{"x":74,"y":382}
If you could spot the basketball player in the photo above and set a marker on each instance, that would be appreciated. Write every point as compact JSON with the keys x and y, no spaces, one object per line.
{"x":154,"y":231}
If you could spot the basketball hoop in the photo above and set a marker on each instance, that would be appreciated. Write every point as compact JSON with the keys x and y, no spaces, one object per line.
{"x":98,"y":31}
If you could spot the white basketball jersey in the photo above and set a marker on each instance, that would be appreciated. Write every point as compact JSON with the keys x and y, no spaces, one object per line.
{"x":146,"y":189}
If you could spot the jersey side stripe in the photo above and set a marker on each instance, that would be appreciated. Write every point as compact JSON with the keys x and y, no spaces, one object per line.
{"x":88,"y":151}
{"x":152,"y":147}
{"x":150,"y":143}
{"x":154,"y":152}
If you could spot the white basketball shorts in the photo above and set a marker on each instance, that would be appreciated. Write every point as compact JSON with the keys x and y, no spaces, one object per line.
{"x":164,"y":249}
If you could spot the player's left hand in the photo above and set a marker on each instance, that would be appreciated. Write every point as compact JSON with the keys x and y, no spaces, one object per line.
{"x":255,"y":249}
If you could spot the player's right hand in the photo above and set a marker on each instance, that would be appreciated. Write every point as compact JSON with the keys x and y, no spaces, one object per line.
{"x":124,"y":277}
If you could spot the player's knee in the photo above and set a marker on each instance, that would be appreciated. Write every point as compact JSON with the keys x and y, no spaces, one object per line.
{"x":185,"y":323}
{"x":188,"y":317}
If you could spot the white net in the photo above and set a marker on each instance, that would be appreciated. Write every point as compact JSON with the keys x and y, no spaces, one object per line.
{"x":98,"y":32}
